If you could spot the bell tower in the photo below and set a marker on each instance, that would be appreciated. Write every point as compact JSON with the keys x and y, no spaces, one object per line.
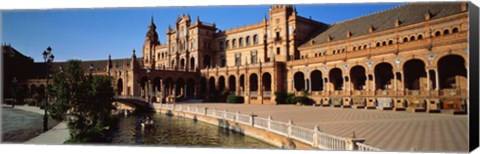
{"x":151,"y":41}
{"x":280,"y":32}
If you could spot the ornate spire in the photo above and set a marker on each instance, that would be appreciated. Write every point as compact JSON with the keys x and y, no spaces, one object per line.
{"x":109,"y":61}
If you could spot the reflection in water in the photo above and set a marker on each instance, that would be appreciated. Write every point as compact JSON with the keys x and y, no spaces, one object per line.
{"x":179,"y":131}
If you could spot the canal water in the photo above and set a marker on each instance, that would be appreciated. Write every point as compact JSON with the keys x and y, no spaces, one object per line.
{"x":180,"y":131}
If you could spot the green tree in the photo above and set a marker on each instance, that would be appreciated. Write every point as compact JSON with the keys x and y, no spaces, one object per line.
{"x":84,"y":102}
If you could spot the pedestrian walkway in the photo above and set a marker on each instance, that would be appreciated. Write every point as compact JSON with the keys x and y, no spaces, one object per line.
{"x":387,"y":130}
{"x":57,"y":135}
{"x":21,"y":123}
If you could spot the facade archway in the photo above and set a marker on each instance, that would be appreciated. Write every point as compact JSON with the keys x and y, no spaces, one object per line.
{"x":190,"y":88}
{"x":180,"y":87}
{"x":221,"y":84}
{"x":206,"y":61}
{"x":182,"y":63}
{"x":192,"y":63}
{"x":232,"y":83}
{"x":169,"y":85}
{"x":143,"y":85}
{"x":336,"y":78}
{"x":358,"y":77}
{"x":316,"y":79}
{"x":383,"y":75}
{"x":33,"y":90}
{"x":415,"y":74}
{"x":299,"y":81}
{"x":242,"y":84}
{"x":156,"y":84}
{"x":119,"y":86}
{"x":267,"y":82}
{"x":203,"y":87}
{"x":211,"y":87}
{"x":452,"y":72}
{"x":253,"y":82}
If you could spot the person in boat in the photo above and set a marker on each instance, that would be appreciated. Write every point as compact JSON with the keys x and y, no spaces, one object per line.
{"x":149,"y":122}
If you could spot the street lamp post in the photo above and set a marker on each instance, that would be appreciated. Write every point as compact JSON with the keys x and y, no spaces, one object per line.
{"x":48,"y":58}
{"x":91,"y":70}
{"x":147,"y":92}
{"x":14,"y":94}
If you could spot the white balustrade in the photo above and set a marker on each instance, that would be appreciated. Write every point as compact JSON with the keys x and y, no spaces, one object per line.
{"x":260,"y":123}
{"x":230,"y":116}
{"x":302,"y":134}
{"x":279,"y":127}
{"x":313,"y":137}
{"x":364,"y":147}
{"x":220,"y":114}
{"x":245,"y":119}
{"x":330,"y":142}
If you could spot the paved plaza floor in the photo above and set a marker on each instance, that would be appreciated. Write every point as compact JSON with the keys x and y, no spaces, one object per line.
{"x":22,"y":123}
{"x":388,"y":130}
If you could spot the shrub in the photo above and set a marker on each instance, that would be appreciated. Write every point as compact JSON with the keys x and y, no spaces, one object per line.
{"x":234,"y":99}
{"x":280,"y":97}
{"x":290,"y":99}
{"x":304,"y":100}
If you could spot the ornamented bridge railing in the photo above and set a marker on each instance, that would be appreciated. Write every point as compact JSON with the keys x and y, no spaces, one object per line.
{"x":314,"y":137}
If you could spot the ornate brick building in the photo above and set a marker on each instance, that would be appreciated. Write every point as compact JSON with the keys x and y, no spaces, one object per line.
{"x":413,"y":57}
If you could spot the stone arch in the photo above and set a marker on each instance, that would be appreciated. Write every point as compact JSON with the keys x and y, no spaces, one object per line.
{"x":221,"y":83}
{"x":299,"y":81}
{"x":358,"y":77}
{"x":421,"y":58}
{"x":156,"y":83}
{"x":190,"y":88}
{"x":452,"y":72}
{"x":443,"y":54}
{"x":211,"y":85}
{"x":169,"y":85}
{"x":455,"y":30}
{"x":267,"y":82}
{"x":335,"y":67}
{"x":391,"y":63}
{"x":179,"y":89}
{"x":383,"y":74}
{"x":415,"y":74}
{"x":316,"y":78}
{"x":192,"y":63}
{"x":33,"y":90}
{"x":335,"y":76}
{"x":203,"y":86}
{"x":182,"y":63}
{"x":253,"y":81}
{"x":242,"y":83}
{"x":119,"y":86}
{"x":232,"y":83}
{"x":143,"y":82}
{"x":446,"y":31}
{"x":207,"y":61}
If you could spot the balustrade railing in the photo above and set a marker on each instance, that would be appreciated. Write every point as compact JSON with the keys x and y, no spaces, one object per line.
{"x":267,"y":94}
{"x":245,"y":119}
{"x":364,"y":147}
{"x":302,"y":134}
{"x":313,"y":137}
{"x":330,"y":142}
{"x":260,"y":123}
{"x":230,"y":116}
{"x":279,"y":127}
{"x":253,"y":93}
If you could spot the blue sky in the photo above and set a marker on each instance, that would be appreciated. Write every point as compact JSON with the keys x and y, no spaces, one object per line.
{"x":91,"y":34}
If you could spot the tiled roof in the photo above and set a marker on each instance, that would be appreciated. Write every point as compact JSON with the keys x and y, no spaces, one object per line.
{"x":384,"y":20}
{"x":99,"y":65}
